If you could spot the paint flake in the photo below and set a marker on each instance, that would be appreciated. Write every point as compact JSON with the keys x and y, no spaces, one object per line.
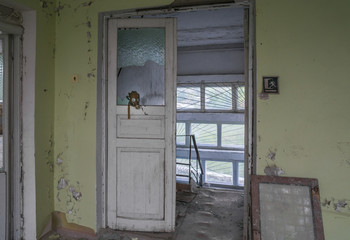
{"x":62,"y":184}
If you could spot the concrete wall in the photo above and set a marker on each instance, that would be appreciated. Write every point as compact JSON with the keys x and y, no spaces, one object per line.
{"x":306,"y":126}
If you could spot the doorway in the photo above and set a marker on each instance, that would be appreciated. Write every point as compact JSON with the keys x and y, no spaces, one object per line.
{"x":221,"y":115}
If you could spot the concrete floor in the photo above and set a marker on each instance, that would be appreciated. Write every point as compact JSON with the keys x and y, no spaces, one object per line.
{"x":210,"y":214}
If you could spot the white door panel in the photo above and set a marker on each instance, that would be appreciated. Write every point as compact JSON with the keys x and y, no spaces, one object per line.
{"x":140,"y":178}
{"x":140,"y":126}
{"x":141,"y":150}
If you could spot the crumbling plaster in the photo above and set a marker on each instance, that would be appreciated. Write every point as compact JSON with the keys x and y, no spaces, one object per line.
{"x":306,"y":125}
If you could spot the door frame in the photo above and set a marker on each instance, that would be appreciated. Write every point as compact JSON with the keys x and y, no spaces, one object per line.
{"x":22,"y":182}
{"x":101,"y":111}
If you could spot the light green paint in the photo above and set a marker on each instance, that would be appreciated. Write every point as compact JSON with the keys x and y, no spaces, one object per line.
{"x":306,"y":44}
{"x":75,"y":132}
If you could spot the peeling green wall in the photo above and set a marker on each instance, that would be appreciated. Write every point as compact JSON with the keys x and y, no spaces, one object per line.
{"x":306,"y":44}
{"x":75,"y":103}
{"x":305,"y":127}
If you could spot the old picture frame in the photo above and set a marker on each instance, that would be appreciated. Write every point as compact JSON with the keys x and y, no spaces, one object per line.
{"x":286,"y":208}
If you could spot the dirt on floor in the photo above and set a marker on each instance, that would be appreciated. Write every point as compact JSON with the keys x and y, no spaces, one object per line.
{"x":209,"y":214}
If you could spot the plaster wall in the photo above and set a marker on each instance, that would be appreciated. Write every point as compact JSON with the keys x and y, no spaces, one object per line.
{"x":304,"y":130}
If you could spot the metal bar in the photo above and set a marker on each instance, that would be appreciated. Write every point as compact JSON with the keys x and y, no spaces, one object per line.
{"x":186,"y":164}
{"x":181,"y":175}
{"x":197,"y":152}
{"x":190,"y":162}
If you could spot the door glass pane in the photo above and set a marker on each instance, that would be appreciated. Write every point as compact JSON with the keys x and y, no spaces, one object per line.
{"x":140,"y":60}
{"x":1,"y":103}
{"x":188,"y":98}
{"x":218,"y":98}
{"x":219,"y":172}
{"x":206,"y":134}
{"x":232,"y":135}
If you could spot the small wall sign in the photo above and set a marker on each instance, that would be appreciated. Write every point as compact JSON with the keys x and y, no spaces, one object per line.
{"x":270,"y":84}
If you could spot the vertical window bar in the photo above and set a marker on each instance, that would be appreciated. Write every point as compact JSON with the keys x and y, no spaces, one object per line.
{"x":187,"y":132}
{"x":202,"y":97}
{"x":234,"y":97}
{"x":219,"y":129}
{"x":235,"y":173}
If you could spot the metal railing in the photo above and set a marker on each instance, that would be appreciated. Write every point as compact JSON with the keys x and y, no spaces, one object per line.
{"x":193,"y":166}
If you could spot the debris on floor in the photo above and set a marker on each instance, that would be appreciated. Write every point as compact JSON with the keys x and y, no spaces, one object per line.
{"x":208,"y":214}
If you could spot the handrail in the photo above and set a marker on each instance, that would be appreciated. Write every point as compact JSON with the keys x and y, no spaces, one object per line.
{"x":197,"y":152}
{"x":191,"y":169}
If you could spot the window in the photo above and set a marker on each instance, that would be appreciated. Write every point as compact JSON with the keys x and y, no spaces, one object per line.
{"x":217,"y":172}
{"x":206,"y":134}
{"x":214,"y":113}
{"x":211,"y":135}
{"x":211,"y":97}
{"x":218,"y":98}
{"x":188,"y":98}
{"x":232,"y":135}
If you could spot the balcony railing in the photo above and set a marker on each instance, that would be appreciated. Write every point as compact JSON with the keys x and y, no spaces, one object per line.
{"x":191,"y":167}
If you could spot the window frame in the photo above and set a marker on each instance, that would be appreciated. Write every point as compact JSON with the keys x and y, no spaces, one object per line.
{"x":218,"y":135}
{"x":203,"y":86}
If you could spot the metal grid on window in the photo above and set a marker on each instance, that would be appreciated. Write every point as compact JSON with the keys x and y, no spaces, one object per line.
{"x":211,"y":97}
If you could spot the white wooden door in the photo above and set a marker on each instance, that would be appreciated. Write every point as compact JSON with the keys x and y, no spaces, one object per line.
{"x":141,"y":150}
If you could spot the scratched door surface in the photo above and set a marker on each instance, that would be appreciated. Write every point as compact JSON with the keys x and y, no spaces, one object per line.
{"x":141,"y":149}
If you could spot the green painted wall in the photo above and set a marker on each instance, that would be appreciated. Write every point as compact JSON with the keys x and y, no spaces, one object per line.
{"x":75,"y":103}
{"x":44,"y":109}
{"x":306,"y":44}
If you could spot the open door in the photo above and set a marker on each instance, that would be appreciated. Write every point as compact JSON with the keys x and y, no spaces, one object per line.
{"x":141,"y":124}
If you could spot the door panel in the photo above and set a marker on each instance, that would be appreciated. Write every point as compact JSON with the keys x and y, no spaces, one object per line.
{"x":140,"y":179}
{"x":140,"y":127}
{"x":141,"y":149}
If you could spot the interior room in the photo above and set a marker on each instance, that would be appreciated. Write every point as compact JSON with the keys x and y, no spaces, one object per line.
{"x":238,"y":104}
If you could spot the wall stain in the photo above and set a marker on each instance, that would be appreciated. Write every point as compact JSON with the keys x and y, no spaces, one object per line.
{"x":47,"y":7}
{"x":340,"y":205}
{"x":85,"y":109}
{"x":272,"y":154}
{"x":84,"y":4}
{"x":49,"y":151}
{"x":62,"y":183}
{"x":273,"y":170}
{"x":263,"y":96}
{"x":87,"y":23}
{"x":344,"y":149}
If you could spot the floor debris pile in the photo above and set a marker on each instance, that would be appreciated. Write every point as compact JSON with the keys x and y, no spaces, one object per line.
{"x":209,"y":214}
